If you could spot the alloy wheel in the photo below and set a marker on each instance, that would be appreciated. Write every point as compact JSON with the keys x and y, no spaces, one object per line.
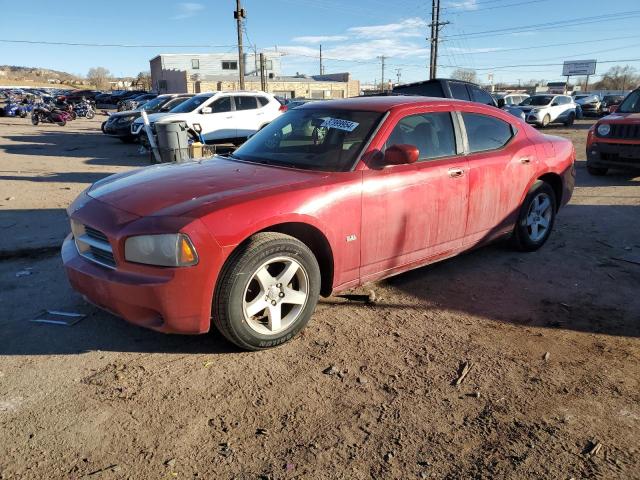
{"x":539,"y":216}
{"x":275,"y":296}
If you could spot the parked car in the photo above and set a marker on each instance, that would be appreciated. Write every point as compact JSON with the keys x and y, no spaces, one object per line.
{"x":447,"y":88}
{"x":76,"y":96}
{"x":222,"y":116}
{"x":510,"y":99}
{"x":119,"y":124}
{"x":589,"y":103}
{"x":328,"y":196}
{"x":614,"y":141}
{"x":545,"y":109}
{"x":609,"y":101}
{"x":132,"y":103}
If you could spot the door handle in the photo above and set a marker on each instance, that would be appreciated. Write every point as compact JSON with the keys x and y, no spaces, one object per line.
{"x":525,"y":160}
{"x":456,"y":172}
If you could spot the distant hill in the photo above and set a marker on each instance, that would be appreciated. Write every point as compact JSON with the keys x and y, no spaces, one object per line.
{"x":18,"y":74}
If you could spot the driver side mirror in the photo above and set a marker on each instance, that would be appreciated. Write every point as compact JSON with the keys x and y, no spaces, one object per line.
{"x":401,"y":154}
{"x":206,"y":110}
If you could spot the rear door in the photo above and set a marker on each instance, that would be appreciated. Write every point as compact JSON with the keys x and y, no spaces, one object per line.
{"x":414,"y":212}
{"x":502,"y":162}
{"x":246,"y":115}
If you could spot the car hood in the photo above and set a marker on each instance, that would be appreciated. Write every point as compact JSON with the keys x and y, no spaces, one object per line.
{"x":175,"y":189}
{"x":126,"y":113}
{"x":627,"y":118}
{"x":154,"y":117}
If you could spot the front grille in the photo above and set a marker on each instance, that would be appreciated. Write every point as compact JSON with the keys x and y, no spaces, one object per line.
{"x":625,"y":130}
{"x":93,"y":245}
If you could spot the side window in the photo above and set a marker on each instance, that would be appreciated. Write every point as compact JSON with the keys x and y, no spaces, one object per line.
{"x":262,"y":101}
{"x":481,"y":96}
{"x":195,"y":64}
{"x":431,"y":133}
{"x":221,"y":105}
{"x":485,"y":132}
{"x":459,"y":91}
{"x":245,"y":103}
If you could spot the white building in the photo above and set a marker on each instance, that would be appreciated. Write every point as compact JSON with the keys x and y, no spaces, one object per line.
{"x":170,"y":72}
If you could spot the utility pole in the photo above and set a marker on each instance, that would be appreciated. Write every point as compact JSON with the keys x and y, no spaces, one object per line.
{"x":239,"y":14}
{"x":398,"y":73}
{"x":321,"y":67}
{"x":263,"y":78}
{"x":435,"y":32}
{"x":382,"y":59}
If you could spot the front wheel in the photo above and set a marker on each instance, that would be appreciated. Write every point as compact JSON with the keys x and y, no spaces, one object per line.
{"x":267,"y":291}
{"x":35,"y":119}
{"x":61,"y":123}
{"x":90,"y":114}
{"x":546,"y":121}
{"x":536,"y":218}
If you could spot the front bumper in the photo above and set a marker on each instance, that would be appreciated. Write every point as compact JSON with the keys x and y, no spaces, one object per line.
{"x":534,"y":118}
{"x":610,"y":154}
{"x":169,"y":300}
{"x":118,"y":129}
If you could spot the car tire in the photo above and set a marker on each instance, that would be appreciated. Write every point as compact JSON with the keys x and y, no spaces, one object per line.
{"x":250,"y":307}
{"x":546,"y":120}
{"x":35,"y":120}
{"x":102,"y":126}
{"x":597,"y":171}
{"x":536,"y":218}
{"x":570,"y":120}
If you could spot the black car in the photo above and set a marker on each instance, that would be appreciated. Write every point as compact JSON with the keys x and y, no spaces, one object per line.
{"x":133,"y":102}
{"x":79,"y":95}
{"x":609,"y":101}
{"x":447,"y":88}
{"x":119,"y":124}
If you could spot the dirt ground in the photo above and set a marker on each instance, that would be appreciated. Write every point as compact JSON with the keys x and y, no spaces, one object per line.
{"x":552,"y":339}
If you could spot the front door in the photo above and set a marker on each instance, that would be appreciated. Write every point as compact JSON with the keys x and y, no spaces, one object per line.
{"x":221,"y":123}
{"x":413,"y":212}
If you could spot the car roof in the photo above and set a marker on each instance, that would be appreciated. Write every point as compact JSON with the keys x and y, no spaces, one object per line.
{"x":380,"y":104}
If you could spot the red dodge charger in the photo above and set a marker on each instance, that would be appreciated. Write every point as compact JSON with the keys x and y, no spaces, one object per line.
{"x":329,"y":196}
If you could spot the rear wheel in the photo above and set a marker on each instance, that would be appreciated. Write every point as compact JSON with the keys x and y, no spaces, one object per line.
{"x":35,"y":119}
{"x":570,"y":120}
{"x":536,"y":218}
{"x":597,"y":171}
{"x":61,"y":123}
{"x":267,"y":291}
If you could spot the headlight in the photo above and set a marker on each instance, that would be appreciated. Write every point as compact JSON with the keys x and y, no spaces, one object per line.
{"x":604,"y":129}
{"x":166,"y":250}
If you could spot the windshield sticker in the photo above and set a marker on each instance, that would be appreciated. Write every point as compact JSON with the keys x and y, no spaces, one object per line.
{"x":346,"y":125}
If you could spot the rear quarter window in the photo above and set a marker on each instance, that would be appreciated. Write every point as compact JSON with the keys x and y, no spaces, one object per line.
{"x":459,"y":91}
{"x":486,"y":133}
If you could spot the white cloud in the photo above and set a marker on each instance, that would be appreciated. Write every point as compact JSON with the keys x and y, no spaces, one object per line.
{"x":411,"y":27}
{"x":320,"y":38}
{"x":464,"y":5}
{"x":188,"y":10}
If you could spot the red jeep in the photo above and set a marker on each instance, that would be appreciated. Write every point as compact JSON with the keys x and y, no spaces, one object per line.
{"x":614,"y":142}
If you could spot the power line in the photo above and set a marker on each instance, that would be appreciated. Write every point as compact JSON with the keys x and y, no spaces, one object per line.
{"x":462,"y":10}
{"x":118,"y":45}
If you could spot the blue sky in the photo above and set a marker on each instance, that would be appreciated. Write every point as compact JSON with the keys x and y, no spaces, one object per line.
{"x":353,"y":34}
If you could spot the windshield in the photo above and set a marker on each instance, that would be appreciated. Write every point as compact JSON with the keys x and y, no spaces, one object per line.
{"x":151,"y":105}
{"x":313,"y":139}
{"x":191,"y":104}
{"x":538,"y":100}
{"x":631,"y":104}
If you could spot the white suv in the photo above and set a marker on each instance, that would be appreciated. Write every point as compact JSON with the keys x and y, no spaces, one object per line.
{"x":548,"y":108}
{"x":221,"y":116}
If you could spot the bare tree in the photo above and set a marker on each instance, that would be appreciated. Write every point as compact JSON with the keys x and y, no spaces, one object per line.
{"x":466,"y":74}
{"x":143,"y":81}
{"x":619,"y":78}
{"x":99,"y":76}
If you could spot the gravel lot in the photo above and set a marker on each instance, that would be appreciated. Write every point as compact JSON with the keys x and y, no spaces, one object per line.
{"x":552,"y":338}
